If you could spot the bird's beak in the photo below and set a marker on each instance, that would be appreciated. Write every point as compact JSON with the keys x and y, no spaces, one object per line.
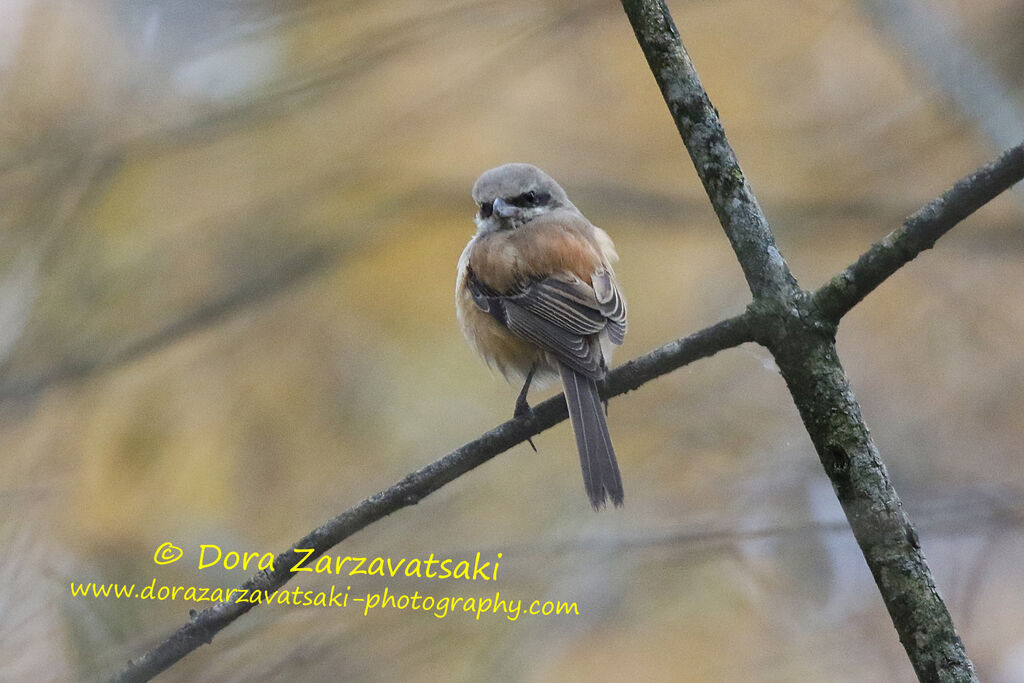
{"x":503,"y":209}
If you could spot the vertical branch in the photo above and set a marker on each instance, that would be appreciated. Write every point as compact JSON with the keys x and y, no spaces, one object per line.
{"x":698,"y":123}
{"x":801,"y":337}
{"x":830,"y":413}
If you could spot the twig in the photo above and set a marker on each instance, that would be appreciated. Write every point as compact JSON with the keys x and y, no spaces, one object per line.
{"x":203,"y":625}
{"x":919,"y":232}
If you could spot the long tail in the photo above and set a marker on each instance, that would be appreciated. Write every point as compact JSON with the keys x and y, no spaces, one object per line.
{"x":597,"y":457}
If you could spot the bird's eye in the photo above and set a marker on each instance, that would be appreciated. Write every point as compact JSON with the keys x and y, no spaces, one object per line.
{"x":486,"y":208}
{"x":528,"y":199}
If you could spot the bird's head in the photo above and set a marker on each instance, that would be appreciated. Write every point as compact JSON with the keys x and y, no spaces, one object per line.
{"x":510,"y":196}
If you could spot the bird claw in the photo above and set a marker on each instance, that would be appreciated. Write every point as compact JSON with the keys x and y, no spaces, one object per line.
{"x":522,"y":408}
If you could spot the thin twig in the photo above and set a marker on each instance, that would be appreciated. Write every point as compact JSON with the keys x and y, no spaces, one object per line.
{"x":918,"y":233}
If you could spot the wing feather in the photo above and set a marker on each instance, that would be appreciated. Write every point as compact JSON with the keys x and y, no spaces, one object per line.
{"x":562,"y":314}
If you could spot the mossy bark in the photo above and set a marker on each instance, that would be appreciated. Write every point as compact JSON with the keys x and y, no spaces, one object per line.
{"x":806,"y":355}
{"x":799,"y":329}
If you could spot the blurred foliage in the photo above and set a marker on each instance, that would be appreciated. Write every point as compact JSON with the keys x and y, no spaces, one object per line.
{"x":230,"y":232}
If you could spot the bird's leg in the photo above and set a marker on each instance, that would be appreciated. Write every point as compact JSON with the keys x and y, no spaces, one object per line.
{"x":601,"y":388}
{"x":522,"y":407}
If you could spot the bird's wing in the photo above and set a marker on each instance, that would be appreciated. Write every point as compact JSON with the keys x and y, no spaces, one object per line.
{"x":562,"y":314}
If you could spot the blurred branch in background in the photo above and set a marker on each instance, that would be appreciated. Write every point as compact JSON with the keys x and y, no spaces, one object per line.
{"x":941,"y":513}
{"x":66,"y":193}
{"x":371,"y":49}
{"x":933,"y":46}
{"x":291,"y":271}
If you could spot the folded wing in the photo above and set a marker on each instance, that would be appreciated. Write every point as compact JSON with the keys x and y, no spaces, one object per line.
{"x":562,"y":314}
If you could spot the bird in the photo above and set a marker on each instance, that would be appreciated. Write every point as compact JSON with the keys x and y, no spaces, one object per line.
{"x":537,"y":296}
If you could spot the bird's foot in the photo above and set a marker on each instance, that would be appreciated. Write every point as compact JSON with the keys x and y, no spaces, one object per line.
{"x":523,"y":409}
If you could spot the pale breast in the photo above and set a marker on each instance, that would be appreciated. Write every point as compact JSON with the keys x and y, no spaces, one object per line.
{"x":511,"y":356}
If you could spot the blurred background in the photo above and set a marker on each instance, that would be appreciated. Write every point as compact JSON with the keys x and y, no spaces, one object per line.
{"x":229,"y":237}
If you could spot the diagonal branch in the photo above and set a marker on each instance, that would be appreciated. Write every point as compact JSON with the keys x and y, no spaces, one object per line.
{"x":203,"y":625}
{"x":919,"y":232}
{"x":719,"y":171}
{"x":802,"y":341}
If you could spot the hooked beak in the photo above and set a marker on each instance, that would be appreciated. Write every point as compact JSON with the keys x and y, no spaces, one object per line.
{"x":503,"y":209}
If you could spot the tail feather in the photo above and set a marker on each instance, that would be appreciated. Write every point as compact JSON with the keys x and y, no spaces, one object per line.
{"x":597,"y":456}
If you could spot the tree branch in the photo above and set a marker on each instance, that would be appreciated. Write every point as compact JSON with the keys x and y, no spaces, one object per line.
{"x":204,"y":625}
{"x":919,"y":232}
{"x":801,"y":339}
{"x":698,"y":123}
{"x":810,"y":365}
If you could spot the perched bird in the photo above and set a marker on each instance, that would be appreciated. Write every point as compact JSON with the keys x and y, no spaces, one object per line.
{"x":537,"y":296}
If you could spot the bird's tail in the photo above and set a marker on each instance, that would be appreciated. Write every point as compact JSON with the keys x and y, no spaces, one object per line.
{"x":597,"y":457}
